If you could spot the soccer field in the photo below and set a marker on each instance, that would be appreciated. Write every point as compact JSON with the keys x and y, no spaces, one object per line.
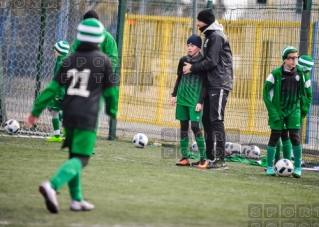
{"x":133,"y":187}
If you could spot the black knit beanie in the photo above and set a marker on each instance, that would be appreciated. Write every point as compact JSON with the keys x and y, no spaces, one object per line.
{"x":207,"y":16}
{"x":91,"y":14}
{"x":195,"y":40}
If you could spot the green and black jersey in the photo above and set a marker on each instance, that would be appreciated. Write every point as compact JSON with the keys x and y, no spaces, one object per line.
{"x":290,"y":91}
{"x":285,"y":92}
{"x":189,"y":88}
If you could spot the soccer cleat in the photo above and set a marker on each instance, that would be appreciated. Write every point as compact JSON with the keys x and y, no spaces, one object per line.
{"x":183,"y":162}
{"x":195,"y":164}
{"x":54,"y":139}
{"x":79,"y":206}
{"x":212,"y":164}
{"x":49,"y":195}
{"x":203,"y":164}
{"x":217,"y":164}
{"x":270,"y":171}
{"x":297,"y":172}
{"x":223,"y":164}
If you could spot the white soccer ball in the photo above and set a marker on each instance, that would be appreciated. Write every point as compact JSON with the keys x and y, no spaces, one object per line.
{"x":12,"y":126}
{"x":228,"y":149}
{"x":140,"y":140}
{"x":254,"y":152}
{"x":194,"y":147}
{"x":245,"y":150}
{"x":284,"y":168}
{"x":235,"y":149}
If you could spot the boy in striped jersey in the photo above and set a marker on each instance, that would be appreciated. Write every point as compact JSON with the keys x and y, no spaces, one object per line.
{"x":287,"y":96}
{"x":188,"y":95}
{"x":61,"y":50}
{"x":306,"y":63}
{"x":88,"y":79}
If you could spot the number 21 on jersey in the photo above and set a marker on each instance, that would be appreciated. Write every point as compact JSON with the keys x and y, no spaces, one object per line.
{"x":81,"y":77}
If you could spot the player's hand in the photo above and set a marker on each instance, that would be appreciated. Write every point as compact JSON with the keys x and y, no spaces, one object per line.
{"x":173,"y":101}
{"x":199,"y":107}
{"x":57,"y":99}
{"x":31,"y":120}
{"x":187,"y":68}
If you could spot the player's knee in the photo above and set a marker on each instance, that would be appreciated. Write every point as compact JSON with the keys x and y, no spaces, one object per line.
{"x":195,"y":128}
{"x":284,"y":135}
{"x":274,"y":138}
{"x":84,"y":159}
{"x":184,"y":126}
{"x":295,"y":139}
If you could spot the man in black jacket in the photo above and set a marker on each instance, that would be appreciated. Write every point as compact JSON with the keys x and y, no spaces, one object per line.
{"x":218,"y":65}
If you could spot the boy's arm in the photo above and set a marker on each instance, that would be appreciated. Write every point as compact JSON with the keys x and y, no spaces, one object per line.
{"x":109,"y":47}
{"x":305,"y":109}
{"x":272,"y":111}
{"x":110,"y":90}
{"x":179,"y":76}
{"x":45,"y":98}
{"x":111,"y":97}
{"x":75,"y":45}
{"x":60,"y":95}
{"x":308,"y":87}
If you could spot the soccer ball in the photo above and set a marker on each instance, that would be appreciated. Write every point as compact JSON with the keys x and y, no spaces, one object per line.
{"x":235,"y":148}
{"x":284,"y":167}
{"x":140,"y":140}
{"x":245,"y":150}
{"x":254,"y":152}
{"x":228,"y":148}
{"x":11,"y":126}
{"x":194,"y":147}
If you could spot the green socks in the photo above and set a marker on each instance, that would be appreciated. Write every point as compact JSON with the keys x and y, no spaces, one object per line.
{"x":286,"y":148}
{"x":201,"y":147}
{"x":278,"y":151}
{"x":297,"y":155}
{"x":69,"y":172}
{"x":184,"y":147}
{"x":75,"y":188}
{"x":270,"y":156}
{"x":60,"y":115}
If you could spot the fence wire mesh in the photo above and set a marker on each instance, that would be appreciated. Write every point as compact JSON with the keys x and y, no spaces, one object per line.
{"x":155,"y":34}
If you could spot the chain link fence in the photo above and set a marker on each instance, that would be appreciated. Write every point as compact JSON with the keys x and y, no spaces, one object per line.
{"x":155,"y":34}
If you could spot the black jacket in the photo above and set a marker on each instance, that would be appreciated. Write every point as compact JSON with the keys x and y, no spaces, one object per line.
{"x":218,"y":61}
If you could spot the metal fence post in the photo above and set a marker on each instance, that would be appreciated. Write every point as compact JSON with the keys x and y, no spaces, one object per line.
{"x":194,"y":16}
{"x":2,"y":90}
{"x":304,"y":34}
{"x":40,"y":49}
{"x":119,"y":41}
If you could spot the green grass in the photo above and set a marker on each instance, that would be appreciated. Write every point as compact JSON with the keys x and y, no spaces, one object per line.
{"x":137,"y":187}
